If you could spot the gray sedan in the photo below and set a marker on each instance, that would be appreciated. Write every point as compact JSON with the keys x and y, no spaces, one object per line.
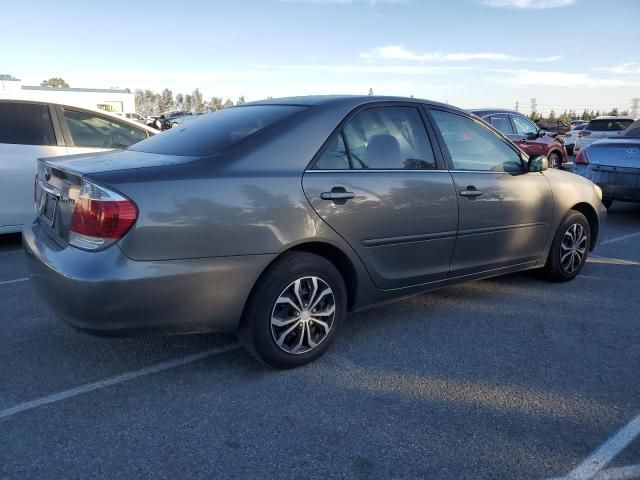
{"x":276,"y":218}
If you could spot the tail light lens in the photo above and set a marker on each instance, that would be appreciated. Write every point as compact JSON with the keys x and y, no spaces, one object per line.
{"x":100,"y":217}
{"x":584,"y":133}
{"x":581,"y":157}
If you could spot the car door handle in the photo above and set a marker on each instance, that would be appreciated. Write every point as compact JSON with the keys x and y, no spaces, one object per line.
{"x":470,"y":192}
{"x":333,"y":195}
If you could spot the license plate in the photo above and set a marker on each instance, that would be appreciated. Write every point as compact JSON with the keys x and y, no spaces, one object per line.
{"x":48,"y":207}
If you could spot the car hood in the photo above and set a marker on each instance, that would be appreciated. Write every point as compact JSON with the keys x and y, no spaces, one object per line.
{"x":100,"y":162}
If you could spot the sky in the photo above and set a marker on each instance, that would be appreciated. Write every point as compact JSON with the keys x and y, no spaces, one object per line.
{"x":470,"y":53}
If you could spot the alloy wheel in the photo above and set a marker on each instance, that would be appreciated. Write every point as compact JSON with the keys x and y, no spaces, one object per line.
{"x":303,"y":315}
{"x":573,"y":248}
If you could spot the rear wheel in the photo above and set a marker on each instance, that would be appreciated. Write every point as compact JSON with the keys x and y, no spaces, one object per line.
{"x":295,"y":311}
{"x":174,"y":124}
{"x":554,"y":160}
{"x":569,"y":249}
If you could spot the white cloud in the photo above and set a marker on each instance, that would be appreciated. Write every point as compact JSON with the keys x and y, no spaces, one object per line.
{"x":528,"y":4}
{"x":399,"y":53}
{"x":532,"y":78}
{"x":625,"y":68}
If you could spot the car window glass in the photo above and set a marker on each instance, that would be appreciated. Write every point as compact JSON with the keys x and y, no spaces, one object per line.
{"x":26,"y":124}
{"x":389,"y":138}
{"x":502,"y":123}
{"x":634,"y":132}
{"x":609,"y":125}
{"x":523,"y":125}
{"x":212,"y":133}
{"x":334,"y":156}
{"x":89,"y":130}
{"x":474,"y":147}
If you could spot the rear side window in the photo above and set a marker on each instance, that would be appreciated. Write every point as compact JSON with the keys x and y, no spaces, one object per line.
{"x":502,"y":123}
{"x":217,"y":131}
{"x":26,"y":124}
{"x":389,"y":138}
{"x":334,"y":156}
{"x":634,"y":132}
{"x":89,"y":130}
{"x":610,"y":125}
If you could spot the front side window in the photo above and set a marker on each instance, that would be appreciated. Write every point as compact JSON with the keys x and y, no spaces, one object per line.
{"x":26,"y":124}
{"x":334,"y":156}
{"x":474,"y":147}
{"x":524,"y":126}
{"x":90,"y":130}
{"x":502,"y":123}
{"x":389,"y":138}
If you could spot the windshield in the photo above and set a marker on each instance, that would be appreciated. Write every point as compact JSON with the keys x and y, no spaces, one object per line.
{"x":217,"y":131}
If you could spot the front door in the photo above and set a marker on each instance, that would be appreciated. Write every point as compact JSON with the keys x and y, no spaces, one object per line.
{"x":505,"y":211}
{"x":377,"y":184}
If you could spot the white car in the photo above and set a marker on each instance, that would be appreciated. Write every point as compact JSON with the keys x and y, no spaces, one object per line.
{"x":571,"y":136}
{"x":30,"y":130}
{"x":600,"y":128}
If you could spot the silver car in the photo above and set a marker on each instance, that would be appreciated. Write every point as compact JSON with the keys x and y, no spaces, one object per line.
{"x":600,"y":128}
{"x":613,"y":165}
{"x":276,"y":218}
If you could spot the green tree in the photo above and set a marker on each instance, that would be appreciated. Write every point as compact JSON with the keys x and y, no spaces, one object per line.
{"x":552,"y":115}
{"x":55,"y":82}
{"x":215,"y":104}
{"x":241,"y":100}
{"x":197,"y":104}
{"x":188,"y":102}
{"x":166,"y":100}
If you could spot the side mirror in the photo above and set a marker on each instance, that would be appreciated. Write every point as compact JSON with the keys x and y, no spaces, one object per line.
{"x":540,"y":133}
{"x":538,"y":163}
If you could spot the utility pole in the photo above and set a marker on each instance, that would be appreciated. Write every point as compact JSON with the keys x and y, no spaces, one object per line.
{"x":517,"y":106}
{"x":635,"y":107}
{"x":534,"y":108}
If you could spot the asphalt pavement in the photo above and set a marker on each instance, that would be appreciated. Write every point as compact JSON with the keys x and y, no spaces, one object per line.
{"x":510,"y":378}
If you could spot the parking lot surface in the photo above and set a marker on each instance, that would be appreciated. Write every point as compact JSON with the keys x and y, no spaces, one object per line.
{"x":512,"y":378}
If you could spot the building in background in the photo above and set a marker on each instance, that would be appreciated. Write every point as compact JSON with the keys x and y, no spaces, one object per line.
{"x":108,"y":99}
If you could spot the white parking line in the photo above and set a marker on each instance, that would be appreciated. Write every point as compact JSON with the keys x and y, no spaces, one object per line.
{"x":595,"y":462}
{"x":619,"y":239}
{"x":17,"y":280}
{"x":89,"y":387}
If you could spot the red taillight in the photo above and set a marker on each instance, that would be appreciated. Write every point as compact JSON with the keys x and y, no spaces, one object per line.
{"x":581,"y":157}
{"x":584,"y":133}
{"x":100,"y":217}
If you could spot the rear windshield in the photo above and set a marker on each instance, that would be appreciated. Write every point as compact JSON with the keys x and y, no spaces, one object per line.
{"x":216,"y":131}
{"x":611,"y":125}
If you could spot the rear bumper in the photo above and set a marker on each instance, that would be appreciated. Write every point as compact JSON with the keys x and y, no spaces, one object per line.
{"x":108,"y":293}
{"x":616,"y":184}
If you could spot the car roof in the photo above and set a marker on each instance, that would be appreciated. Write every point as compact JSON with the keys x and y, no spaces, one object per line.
{"x":313,"y":100}
{"x":489,"y":111}
{"x":612,"y":117}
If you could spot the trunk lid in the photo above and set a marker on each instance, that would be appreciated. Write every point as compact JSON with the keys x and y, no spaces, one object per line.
{"x":59,"y":181}
{"x":619,"y":153}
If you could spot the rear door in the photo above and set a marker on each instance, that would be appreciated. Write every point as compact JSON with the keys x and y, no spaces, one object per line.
{"x":26,"y":133}
{"x":378,"y":183}
{"x":87,"y":131}
{"x":505,"y":212}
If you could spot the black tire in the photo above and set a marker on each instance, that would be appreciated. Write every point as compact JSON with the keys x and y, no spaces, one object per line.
{"x":555,"y":160}
{"x":258,"y":334}
{"x":607,"y":202}
{"x":556,"y":268}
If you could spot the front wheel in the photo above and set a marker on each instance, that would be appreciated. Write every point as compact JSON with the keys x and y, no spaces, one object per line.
{"x":295,"y":311}
{"x":569,"y":249}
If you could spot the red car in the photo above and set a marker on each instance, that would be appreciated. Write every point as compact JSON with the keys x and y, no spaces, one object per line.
{"x":524,"y":133}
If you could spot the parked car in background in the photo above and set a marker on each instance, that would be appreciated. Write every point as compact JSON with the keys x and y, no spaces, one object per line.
{"x":277,"y":217}
{"x":136,"y":117}
{"x":575,"y":123}
{"x":614,"y":165}
{"x":524,"y":133}
{"x":553,"y":125}
{"x":30,"y":130}
{"x":571,"y":136}
{"x":599,"y":128}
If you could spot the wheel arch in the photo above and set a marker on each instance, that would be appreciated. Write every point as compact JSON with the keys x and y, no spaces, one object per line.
{"x":592,"y":217}
{"x":323,"y":249}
